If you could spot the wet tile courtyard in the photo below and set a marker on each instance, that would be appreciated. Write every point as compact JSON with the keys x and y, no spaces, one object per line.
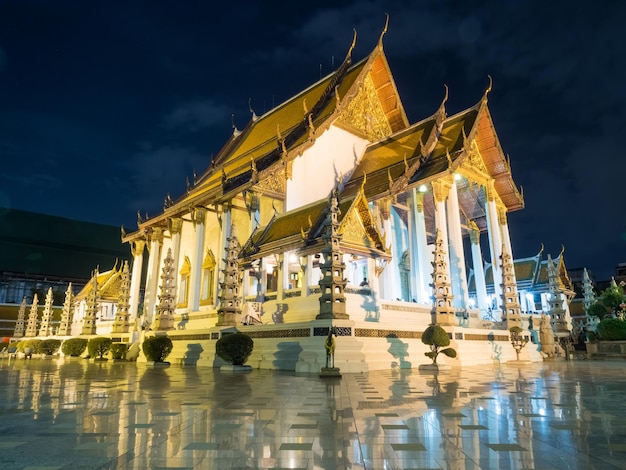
{"x":76,"y":414}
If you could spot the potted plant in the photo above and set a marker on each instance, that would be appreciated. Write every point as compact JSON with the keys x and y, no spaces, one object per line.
{"x":438,"y":340}
{"x":235,"y":348}
{"x":157,"y":348}
{"x":518,"y":341}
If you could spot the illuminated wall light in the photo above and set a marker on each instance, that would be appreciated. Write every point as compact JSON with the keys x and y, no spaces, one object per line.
{"x":422,"y":188}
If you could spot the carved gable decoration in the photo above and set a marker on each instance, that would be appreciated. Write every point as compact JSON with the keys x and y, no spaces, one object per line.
{"x":365,"y":113}
{"x":272,"y":182}
{"x":473,"y":162}
{"x":358,"y":227}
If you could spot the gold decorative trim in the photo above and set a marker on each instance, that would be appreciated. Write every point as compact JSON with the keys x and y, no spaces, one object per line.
{"x":365,"y":113}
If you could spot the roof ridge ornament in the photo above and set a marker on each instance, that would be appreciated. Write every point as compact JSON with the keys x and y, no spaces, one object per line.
{"x":236,"y":131}
{"x":254,"y":116}
{"x":380,"y":39}
{"x":488,"y":89}
{"x":349,"y":54}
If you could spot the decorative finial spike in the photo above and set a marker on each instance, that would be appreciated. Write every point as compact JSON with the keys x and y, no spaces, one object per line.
{"x":349,"y":54}
{"x":380,"y":40}
{"x":488,"y":88}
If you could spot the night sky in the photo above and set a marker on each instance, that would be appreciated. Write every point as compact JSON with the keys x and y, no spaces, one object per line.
{"x":108,"y":106}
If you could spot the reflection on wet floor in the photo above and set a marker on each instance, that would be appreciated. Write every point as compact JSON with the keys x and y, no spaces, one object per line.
{"x":62,"y":414}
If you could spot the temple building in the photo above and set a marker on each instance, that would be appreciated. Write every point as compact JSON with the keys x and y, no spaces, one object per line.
{"x":332,"y":210}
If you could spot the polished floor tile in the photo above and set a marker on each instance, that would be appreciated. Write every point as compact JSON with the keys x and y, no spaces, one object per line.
{"x":75,"y":414}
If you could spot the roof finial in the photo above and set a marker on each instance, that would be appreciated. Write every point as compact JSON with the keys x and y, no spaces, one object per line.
{"x":380,"y":40}
{"x":488,"y":88}
{"x":349,"y":54}
{"x":254,"y":116}
{"x":236,"y":131}
{"x":305,"y":107}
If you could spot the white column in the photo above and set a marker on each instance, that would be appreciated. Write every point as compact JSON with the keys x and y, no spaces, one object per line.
{"x":176,"y":225}
{"x":504,"y":230}
{"x":195,"y":281}
{"x":152,"y":277}
{"x":137,"y":248}
{"x":495,"y":242}
{"x":457,"y":256}
{"x":390,"y":280}
{"x":479,"y":269}
{"x":421,"y":260}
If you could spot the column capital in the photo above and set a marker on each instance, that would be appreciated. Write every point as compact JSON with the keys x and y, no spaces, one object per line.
{"x":384,"y":206}
{"x":198,"y":215}
{"x":137,"y":247}
{"x":474,"y":232}
{"x":156,"y":234}
{"x":441,"y":189}
{"x":501,"y":214}
{"x":490,"y":190}
{"x":419,"y":201}
{"x":175,"y":224}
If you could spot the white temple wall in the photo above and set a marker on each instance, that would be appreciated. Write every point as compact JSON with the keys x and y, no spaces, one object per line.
{"x":315,"y":173}
{"x":365,"y":348}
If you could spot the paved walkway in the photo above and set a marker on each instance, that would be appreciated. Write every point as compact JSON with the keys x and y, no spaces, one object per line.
{"x":82,"y":415}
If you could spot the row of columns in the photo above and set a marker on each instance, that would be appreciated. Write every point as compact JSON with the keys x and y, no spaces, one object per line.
{"x":154,"y":242}
{"x":448,"y":221}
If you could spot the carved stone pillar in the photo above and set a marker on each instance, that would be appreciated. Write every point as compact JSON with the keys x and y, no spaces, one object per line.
{"x":136,"y":248}
{"x":195,"y":280}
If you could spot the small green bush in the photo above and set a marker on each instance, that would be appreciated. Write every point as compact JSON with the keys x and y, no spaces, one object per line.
{"x":118,"y":350}
{"x":50,"y":346}
{"x":98,"y":346}
{"x":612,"y":329}
{"x":34,"y":344}
{"x":234,"y":348}
{"x":157,"y":348}
{"x":74,"y":347}
{"x":437,"y":338}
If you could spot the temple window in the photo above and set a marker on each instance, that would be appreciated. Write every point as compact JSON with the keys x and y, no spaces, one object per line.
{"x":183,"y":292}
{"x":208,"y":274}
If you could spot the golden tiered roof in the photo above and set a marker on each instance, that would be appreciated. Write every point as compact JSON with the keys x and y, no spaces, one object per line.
{"x":109,"y":285}
{"x":280,"y":135}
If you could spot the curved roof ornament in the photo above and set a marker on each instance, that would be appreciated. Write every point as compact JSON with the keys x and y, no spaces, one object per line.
{"x":254,"y":116}
{"x":488,"y":88}
{"x":380,"y":40}
{"x":236,"y":131}
{"x":349,"y":54}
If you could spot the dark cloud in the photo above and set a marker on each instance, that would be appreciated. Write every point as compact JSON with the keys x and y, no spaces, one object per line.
{"x":107,"y":107}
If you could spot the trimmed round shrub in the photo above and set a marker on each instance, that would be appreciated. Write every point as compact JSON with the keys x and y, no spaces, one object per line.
{"x":118,"y":350}
{"x":74,"y":347}
{"x":234,"y":348}
{"x":157,"y":348}
{"x":434,"y":335}
{"x":437,"y":338}
{"x":50,"y":346}
{"x":34,"y":344}
{"x":98,"y":346}
{"x":612,"y":329}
